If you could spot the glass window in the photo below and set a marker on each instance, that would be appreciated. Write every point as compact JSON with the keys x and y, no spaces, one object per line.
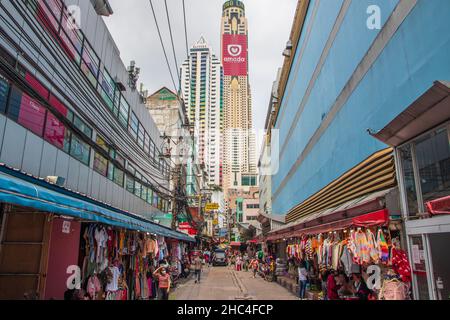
{"x":102,"y":143}
{"x":56,"y":133}
{"x":59,"y":106}
{"x":144,"y":193}
{"x":118,"y":176}
{"x":152,"y":150}
{"x":4,"y":90}
{"x":81,"y":125}
{"x":141,"y":135}
{"x":116,"y":105}
{"x":124,"y":112}
{"x":80,"y":150}
{"x":71,"y":36}
{"x":100,"y":164}
{"x":131,"y":169}
{"x":120,"y":159}
{"x":27,"y":111}
{"x":433,"y":160}
{"x":37,"y":86}
{"x":155,"y":199}
{"x":49,"y":14}
{"x":146,"y":143}
{"x":130,"y":184}
{"x":90,"y":63}
{"x":137,"y":189}
{"x":408,"y":179}
{"x":108,"y":86}
{"x":134,"y":125}
{"x":150,"y":196}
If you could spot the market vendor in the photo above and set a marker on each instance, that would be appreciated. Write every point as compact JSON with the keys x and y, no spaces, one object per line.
{"x":332,"y":286}
{"x":360,"y":288}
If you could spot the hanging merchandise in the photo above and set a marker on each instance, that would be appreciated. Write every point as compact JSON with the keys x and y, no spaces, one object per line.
{"x":401,"y":265}
{"x":383,"y":247}
{"x":372,"y":246}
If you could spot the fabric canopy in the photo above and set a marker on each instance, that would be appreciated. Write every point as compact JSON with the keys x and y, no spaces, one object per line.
{"x":439,"y":206}
{"x":20,"y":192}
{"x":377,"y":218}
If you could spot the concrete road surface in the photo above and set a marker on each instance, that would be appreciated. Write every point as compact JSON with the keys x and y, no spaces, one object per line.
{"x":223,"y":283}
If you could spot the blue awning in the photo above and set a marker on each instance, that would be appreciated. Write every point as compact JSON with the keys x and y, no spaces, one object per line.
{"x":24,"y":193}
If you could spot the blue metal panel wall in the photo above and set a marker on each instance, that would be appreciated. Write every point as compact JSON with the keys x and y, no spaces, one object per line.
{"x":417,"y":55}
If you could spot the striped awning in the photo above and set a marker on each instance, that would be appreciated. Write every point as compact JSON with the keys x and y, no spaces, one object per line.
{"x":374,"y":174}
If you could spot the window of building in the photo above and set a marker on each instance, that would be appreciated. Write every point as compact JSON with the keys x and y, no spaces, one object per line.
{"x":100,"y":164}
{"x":433,"y":161}
{"x":124,"y":112}
{"x":80,"y":150}
{"x":129,"y":184}
{"x":72,"y":38}
{"x":107,"y":85}
{"x":4,"y":91}
{"x":90,"y":63}
{"x":82,"y":126}
{"x":56,"y":133}
{"x":426,"y":169}
{"x":26,"y":111}
{"x":49,"y":13}
{"x":116,"y":175}
{"x":147,"y":143}
{"x":408,"y":179}
{"x":144,"y":193}
{"x":155,"y":199}
{"x":134,"y":126}
{"x":137,"y":189}
{"x":141,"y":135}
{"x":150,"y":196}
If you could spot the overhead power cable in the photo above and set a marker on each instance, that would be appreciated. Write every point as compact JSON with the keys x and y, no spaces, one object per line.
{"x":162,"y":45}
{"x":185,"y":31}
{"x":171,"y":40}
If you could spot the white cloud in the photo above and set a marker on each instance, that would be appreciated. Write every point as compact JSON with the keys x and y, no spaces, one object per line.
{"x":133,"y":28}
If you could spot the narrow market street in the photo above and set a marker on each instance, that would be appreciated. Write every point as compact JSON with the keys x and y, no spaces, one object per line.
{"x":223,"y":283}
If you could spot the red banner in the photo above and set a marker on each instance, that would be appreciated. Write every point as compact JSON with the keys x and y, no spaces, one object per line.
{"x":234,"y":55}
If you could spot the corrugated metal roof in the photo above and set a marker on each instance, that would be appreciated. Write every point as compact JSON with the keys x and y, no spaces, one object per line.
{"x":374,"y":174}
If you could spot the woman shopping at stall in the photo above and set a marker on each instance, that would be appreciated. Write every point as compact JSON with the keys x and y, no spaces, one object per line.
{"x":163,"y":282}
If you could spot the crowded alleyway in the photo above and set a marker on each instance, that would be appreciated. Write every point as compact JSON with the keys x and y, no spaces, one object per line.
{"x":223,"y":283}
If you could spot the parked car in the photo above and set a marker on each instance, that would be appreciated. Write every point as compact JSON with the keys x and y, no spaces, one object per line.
{"x":219,"y":258}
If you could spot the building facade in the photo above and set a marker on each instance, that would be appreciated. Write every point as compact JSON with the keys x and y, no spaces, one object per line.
{"x":344,"y":78}
{"x":239,"y":139}
{"x":201,"y":87}
{"x":77,"y":144}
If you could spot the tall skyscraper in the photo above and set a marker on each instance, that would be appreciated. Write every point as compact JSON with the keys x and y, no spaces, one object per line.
{"x":201,"y":77}
{"x":239,"y":169}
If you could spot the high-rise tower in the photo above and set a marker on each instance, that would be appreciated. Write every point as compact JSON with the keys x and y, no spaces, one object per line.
{"x":239,"y":162}
{"x":201,"y":86}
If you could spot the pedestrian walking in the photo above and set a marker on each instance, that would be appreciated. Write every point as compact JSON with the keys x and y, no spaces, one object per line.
{"x":163,"y":282}
{"x":302,"y":279}
{"x":239,"y":263}
{"x":254,"y":265}
{"x":198,"y":268}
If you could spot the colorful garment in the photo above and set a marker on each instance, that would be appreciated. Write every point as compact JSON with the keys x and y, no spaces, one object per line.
{"x":401,"y":265}
{"x":372,"y":246}
{"x":383,"y":247}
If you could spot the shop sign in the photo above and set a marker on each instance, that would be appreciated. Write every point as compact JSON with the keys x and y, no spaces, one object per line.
{"x":66,"y":227}
{"x":416,"y":254}
{"x":211,"y":206}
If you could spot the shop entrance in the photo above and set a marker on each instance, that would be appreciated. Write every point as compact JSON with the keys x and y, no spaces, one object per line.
{"x":23,"y":252}
{"x":441,"y":264}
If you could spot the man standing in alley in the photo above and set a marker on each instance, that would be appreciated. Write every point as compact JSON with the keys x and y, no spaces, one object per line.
{"x":254,"y":265}
{"x":198,"y":268}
